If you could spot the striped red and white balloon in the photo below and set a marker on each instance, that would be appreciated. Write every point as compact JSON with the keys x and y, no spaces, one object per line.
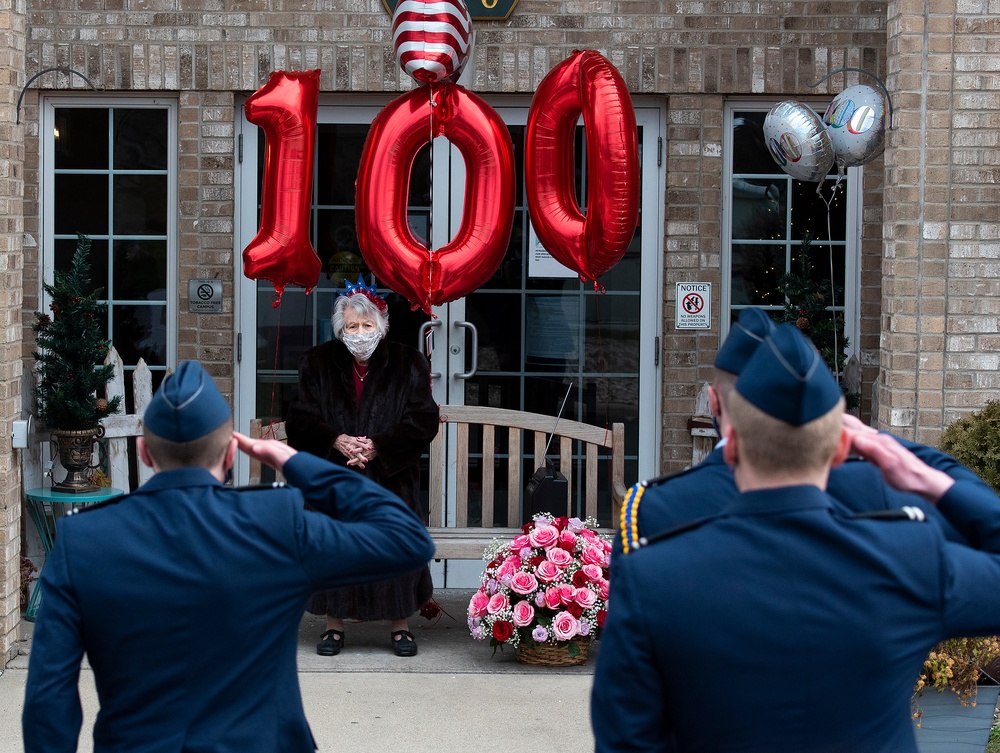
{"x":431,"y":38}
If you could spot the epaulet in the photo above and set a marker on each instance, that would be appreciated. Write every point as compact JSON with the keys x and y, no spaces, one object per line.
{"x":96,"y":506}
{"x":261,"y":487}
{"x":644,"y":541}
{"x":903,"y":513}
{"x":629,"y":518}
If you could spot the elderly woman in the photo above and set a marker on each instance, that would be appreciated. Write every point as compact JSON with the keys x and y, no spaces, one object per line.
{"x":367,"y":403}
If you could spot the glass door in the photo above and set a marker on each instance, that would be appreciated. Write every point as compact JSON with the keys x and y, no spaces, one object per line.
{"x":531,"y":335}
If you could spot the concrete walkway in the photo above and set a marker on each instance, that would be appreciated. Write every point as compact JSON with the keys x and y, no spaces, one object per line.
{"x":454,"y":696}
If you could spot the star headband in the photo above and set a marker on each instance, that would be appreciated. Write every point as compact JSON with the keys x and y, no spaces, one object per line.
{"x":367,"y":291}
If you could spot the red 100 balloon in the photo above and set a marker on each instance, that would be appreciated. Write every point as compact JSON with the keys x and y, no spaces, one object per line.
{"x":285,"y":108}
{"x":430,"y":278}
{"x":593,"y":243}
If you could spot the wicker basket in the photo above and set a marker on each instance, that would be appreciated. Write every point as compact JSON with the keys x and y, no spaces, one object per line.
{"x":547,"y":655}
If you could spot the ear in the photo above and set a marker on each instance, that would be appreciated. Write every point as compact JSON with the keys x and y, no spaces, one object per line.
{"x":843,"y":448}
{"x":731,"y":450}
{"x":714,"y":402}
{"x":230,"y":457}
{"x":143,"y":452}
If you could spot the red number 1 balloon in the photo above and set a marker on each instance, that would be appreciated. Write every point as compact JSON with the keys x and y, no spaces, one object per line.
{"x":285,"y":108}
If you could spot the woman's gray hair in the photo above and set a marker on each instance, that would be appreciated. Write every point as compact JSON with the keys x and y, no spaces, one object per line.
{"x":362,"y":306}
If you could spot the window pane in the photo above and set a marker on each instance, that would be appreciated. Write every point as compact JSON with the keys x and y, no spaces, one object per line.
{"x":81,"y":204}
{"x":821,"y":257}
{"x":756,"y":272}
{"x":612,"y":343}
{"x":750,"y":152}
{"x":337,"y":246}
{"x":97,"y":258}
{"x":552,"y":333}
{"x":338,"y":149}
{"x":140,"y":270}
{"x":81,"y":138}
{"x":809,"y":211}
{"x":497,"y":320}
{"x":140,"y":204}
{"x":140,"y":139}
{"x":140,"y":332}
{"x":759,"y":208}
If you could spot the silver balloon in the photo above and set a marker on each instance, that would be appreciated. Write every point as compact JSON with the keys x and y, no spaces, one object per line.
{"x":856,"y":122}
{"x":798,"y":141}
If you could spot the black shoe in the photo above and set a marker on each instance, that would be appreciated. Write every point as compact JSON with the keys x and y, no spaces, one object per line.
{"x":404,"y":645}
{"x":330,"y":643}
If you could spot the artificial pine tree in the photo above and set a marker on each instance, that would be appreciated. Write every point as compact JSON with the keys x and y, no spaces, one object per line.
{"x":71,"y":351}
{"x":806,"y":301}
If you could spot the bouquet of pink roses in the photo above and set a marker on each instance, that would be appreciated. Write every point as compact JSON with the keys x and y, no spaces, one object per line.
{"x":548,"y":585}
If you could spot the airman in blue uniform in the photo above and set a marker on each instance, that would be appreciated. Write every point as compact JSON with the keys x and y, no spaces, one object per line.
{"x":186,"y":595}
{"x":813,"y":622}
{"x":703,"y":490}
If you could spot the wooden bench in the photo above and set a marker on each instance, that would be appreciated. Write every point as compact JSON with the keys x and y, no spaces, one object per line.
{"x":471,"y":433}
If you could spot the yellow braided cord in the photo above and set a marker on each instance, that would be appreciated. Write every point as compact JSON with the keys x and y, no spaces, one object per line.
{"x":629,"y":524}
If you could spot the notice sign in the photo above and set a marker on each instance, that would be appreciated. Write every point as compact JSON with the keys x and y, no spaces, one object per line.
{"x":694,"y":305}
{"x":204,"y":296}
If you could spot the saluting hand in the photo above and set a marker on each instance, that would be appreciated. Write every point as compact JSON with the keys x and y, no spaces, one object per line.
{"x":270,"y":452}
{"x":900,"y":468}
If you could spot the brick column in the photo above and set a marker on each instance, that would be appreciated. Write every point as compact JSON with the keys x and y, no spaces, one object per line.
{"x":12,"y":45}
{"x":941,"y":274}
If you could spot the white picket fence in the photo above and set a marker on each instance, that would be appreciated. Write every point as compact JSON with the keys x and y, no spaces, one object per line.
{"x":40,"y":459}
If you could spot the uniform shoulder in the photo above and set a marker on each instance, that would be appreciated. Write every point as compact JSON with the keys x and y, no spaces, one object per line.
{"x":630,"y":534}
{"x":906,"y":513}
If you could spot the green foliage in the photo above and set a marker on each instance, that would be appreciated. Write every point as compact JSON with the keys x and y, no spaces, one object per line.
{"x":806,"y":301}
{"x":975,"y":442}
{"x":72,"y":349}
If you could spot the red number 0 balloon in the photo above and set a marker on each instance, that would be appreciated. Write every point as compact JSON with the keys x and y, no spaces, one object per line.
{"x":285,"y":108}
{"x":429,"y":278}
{"x":584,"y":83}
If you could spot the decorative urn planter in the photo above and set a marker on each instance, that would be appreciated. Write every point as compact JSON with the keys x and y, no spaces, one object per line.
{"x":76,"y":449}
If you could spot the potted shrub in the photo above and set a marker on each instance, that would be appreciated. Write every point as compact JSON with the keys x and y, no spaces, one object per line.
{"x":960,"y":664}
{"x":70,"y":369}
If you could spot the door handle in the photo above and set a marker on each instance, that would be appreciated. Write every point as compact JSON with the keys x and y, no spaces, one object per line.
{"x":474,"y":343}
{"x":422,"y":341}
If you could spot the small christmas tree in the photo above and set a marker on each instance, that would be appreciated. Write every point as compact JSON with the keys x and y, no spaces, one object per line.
{"x":806,"y":301}
{"x":71,"y":351}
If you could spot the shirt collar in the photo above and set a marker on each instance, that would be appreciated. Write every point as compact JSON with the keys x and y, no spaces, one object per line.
{"x":780,"y":500}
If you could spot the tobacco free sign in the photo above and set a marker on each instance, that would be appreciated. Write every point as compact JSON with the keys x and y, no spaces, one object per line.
{"x":694,"y":305}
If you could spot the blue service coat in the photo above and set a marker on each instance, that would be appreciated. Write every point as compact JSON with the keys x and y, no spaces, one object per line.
{"x":186,"y":597}
{"x":786,"y":625}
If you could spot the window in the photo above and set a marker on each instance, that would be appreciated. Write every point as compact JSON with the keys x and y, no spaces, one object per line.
{"x":109,"y":172}
{"x":768,"y":219}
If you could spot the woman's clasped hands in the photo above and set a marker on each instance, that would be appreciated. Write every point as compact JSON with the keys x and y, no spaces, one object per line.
{"x":359,"y":451}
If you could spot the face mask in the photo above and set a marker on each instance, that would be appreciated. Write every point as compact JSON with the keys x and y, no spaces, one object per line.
{"x":362,"y":345}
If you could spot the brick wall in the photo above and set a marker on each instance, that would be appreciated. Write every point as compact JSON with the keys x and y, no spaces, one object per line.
{"x":12,"y":21}
{"x":941,"y":274}
{"x":692,"y":54}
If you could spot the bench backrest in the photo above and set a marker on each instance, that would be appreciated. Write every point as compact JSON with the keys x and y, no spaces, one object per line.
{"x":478,"y":427}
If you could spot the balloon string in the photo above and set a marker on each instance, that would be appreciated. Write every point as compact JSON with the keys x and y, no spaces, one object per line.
{"x":274,"y":374}
{"x":833,"y":287}
{"x":430,"y":195}
{"x":604,"y":375}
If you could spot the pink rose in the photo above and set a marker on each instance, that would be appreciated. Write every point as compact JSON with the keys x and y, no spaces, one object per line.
{"x":559,"y":557}
{"x":477,"y":604}
{"x":585,"y":597}
{"x":603,"y":588}
{"x":593,"y":572}
{"x":520,"y":542}
{"x":545,"y":536}
{"x":552,"y":600}
{"x":523,"y":583}
{"x":567,"y":540}
{"x":498,"y":603}
{"x":548,"y":571}
{"x":506,"y":570}
{"x":565,"y":626}
{"x":588,"y":535}
{"x":524,"y":614}
{"x":565,"y":593}
{"x":594,"y":555}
